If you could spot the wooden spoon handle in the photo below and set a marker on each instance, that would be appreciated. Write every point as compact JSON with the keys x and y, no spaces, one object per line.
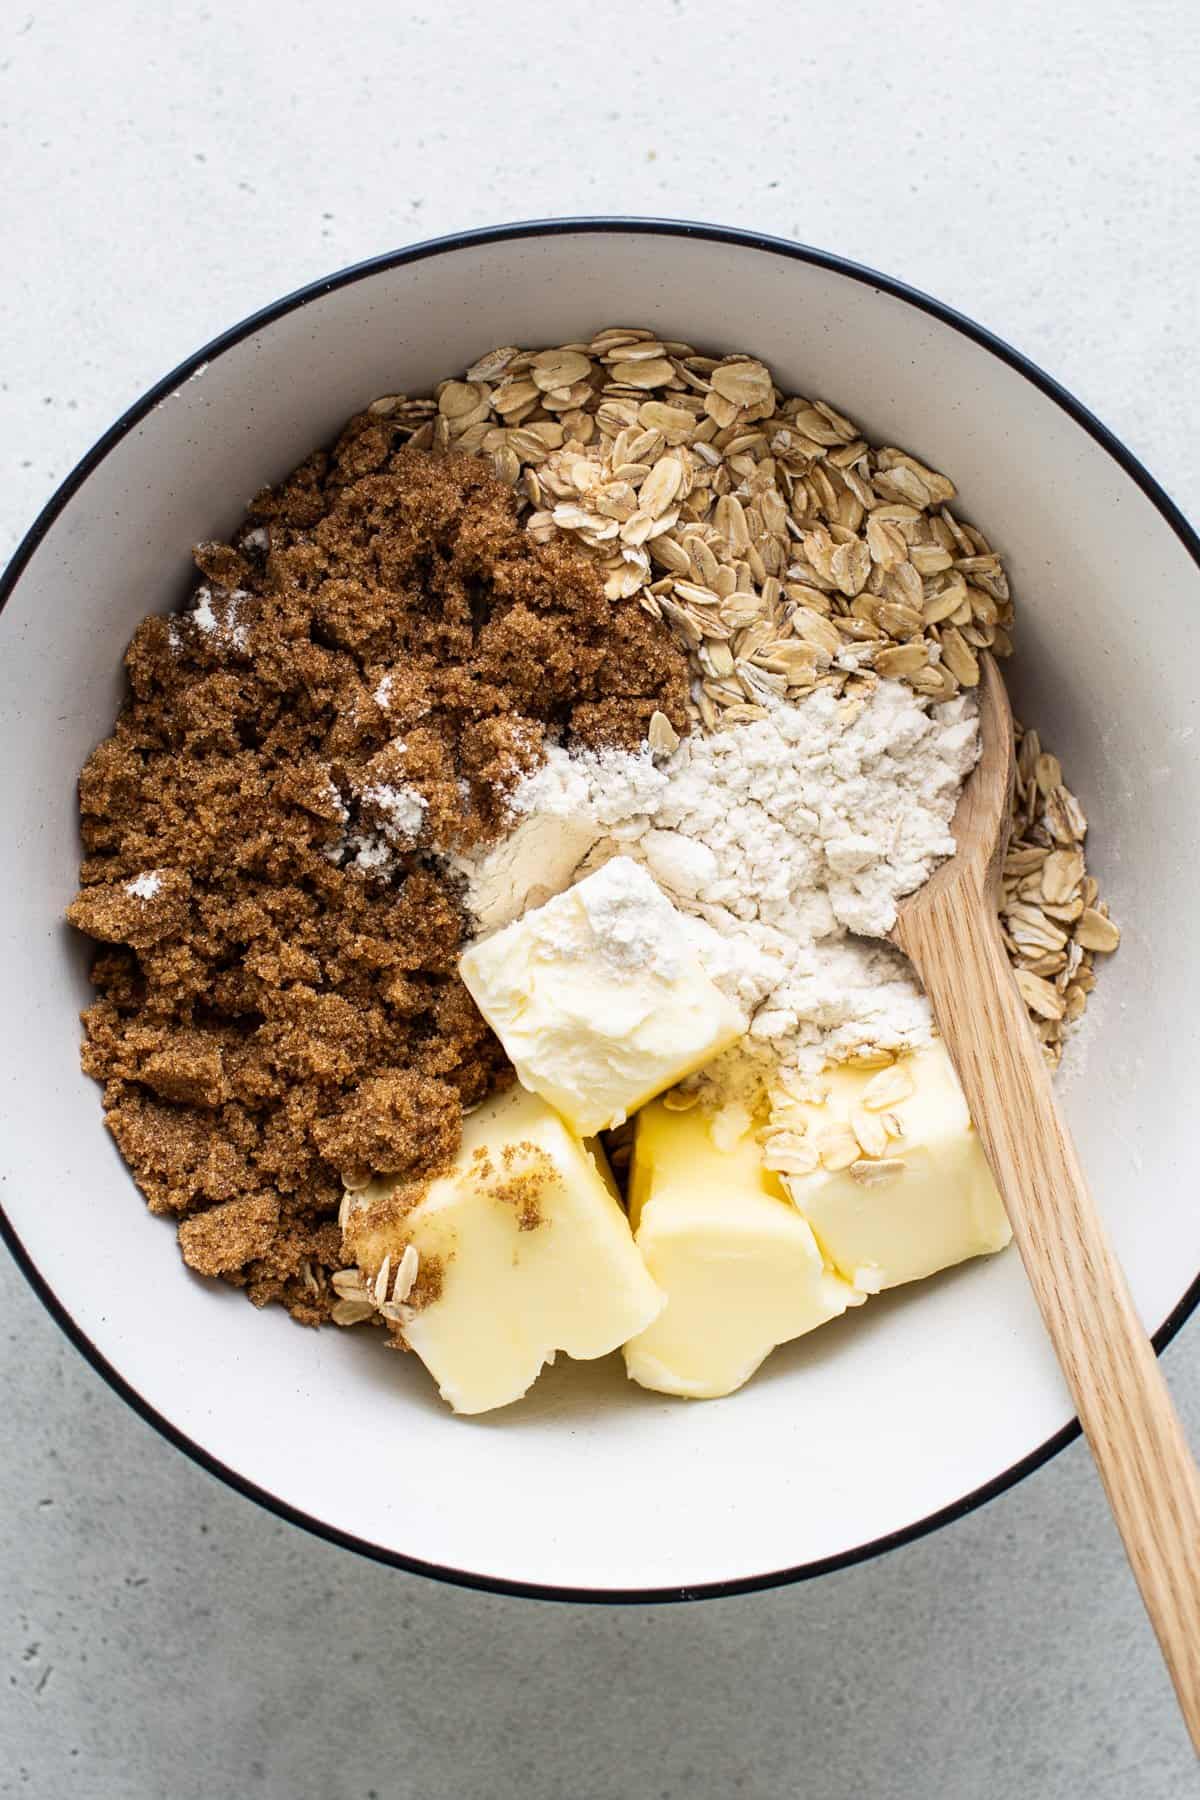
{"x":1110,"y":1366}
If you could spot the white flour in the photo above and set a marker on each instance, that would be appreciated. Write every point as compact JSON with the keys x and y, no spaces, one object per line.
{"x":215,"y":613}
{"x":403,"y":809}
{"x":778,"y":839}
{"x":630,"y":924}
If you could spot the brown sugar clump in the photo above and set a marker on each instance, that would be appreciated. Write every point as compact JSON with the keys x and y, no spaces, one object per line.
{"x":140,"y":912}
{"x":367,"y":671}
{"x":220,"y":1241}
{"x":395,"y":1123}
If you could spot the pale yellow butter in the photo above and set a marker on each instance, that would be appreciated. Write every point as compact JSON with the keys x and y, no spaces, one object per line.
{"x":927,"y":1202}
{"x":523,"y":1251}
{"x":741,"y":1269}
{"x":599,"y":997}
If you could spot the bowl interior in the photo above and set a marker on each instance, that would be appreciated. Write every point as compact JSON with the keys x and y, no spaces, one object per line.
{"x":874,"y":1423}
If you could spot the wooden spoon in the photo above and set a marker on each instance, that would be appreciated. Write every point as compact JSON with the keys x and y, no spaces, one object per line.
{"x":949,"y":930}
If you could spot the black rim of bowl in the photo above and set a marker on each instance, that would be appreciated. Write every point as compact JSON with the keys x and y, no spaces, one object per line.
{"x":540,"y":228}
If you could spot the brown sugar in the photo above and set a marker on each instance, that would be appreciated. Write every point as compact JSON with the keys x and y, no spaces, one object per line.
{"x":378,"y":1125}
{"x":222,"y":1240}
{"x":529,"y":1176}
{"x":431,"y":1278}
{"x":369,"y":667}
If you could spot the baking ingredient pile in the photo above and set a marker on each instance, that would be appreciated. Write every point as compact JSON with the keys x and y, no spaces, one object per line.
{"x":610,"y":599}
{"x":776,"y":838}
{"x":366,"y":671}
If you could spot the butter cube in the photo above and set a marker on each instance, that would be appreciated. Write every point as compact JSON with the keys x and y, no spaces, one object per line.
{"x":521,"y":1250}
{"x":599,"y":997}
{"x":923,"y":1200}
{"x":741,"y":1269}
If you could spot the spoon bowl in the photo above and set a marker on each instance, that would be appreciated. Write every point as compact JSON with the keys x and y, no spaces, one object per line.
{"x":981,"y":822}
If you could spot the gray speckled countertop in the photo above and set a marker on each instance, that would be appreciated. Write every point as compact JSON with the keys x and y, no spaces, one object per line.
{"x":171,"y":167}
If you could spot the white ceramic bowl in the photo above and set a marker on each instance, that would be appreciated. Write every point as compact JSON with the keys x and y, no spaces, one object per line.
{"x":891,"y":1421}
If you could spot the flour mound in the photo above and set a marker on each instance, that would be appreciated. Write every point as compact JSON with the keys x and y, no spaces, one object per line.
{"x":785,"y":842}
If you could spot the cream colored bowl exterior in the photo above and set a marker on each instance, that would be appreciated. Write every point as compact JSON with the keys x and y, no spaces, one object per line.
{"x":879,"y":1422}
